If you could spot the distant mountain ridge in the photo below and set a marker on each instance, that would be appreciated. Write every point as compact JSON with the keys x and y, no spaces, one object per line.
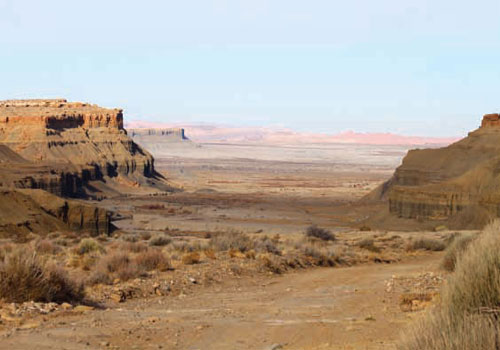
{"x":206,"y":133}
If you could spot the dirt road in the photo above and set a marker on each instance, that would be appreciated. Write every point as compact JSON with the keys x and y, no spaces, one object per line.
{"x":324,"y":308}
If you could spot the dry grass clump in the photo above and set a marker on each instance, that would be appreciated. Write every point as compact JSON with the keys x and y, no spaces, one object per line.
{"x":426,"y":244}
{"x":44,"y":246}
{"x":368,"y":244}
{"x":210,"y":254}
{"x":321,"y":256}
{"x":153,"y":259}
{"x":129,"y":237}
{"x":189,"y":247}
{"x":26,"y":277}
{"x":116,"y":265}
{"x":160,"y":241}
{"x":89,"y":245}
{"x":467,"y":316}
{"x":135,"y":247}
{"x":457,"y":246}
{"x":231,"y":241}
{"x":314,"y":231}
{"x":273,"y":264}
{"x":191,"y":258}
{"x":267,"y":245}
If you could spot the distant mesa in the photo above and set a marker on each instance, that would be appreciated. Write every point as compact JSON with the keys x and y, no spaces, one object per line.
{"x":161,"y":141}
{"x":207,"y":133}
{"x":458,"y":184}
{"x":167,"y":134}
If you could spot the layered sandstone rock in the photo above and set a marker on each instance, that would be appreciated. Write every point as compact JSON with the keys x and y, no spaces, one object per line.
{"x":442,"y":183}
{"x":79,"y":142}
{"x":26,"y":211}
{"x":51,"y":149}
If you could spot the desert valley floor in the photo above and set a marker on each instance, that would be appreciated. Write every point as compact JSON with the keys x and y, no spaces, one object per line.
{"x":362,"y":300}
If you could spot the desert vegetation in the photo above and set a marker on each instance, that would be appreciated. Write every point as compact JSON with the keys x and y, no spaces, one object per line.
{"x":24,"y":276}
{"x":467,"y":315}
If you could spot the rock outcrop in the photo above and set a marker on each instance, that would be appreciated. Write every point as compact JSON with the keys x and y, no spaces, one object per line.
{"x":25,"y":211}
{"x":76,"y":142}
{"x":444,"y":183}
{"x":52,"y":149}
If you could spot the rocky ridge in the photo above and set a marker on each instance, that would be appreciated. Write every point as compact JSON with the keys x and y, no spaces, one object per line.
{"x":50,"y":149}
{"x":459,"y":183}
{"x":78,"y":142}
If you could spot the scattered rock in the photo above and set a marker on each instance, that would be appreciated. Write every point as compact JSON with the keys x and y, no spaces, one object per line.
{"x":83,"y":308}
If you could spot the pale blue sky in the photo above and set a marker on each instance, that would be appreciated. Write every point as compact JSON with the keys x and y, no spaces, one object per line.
{"x":426,"y":67}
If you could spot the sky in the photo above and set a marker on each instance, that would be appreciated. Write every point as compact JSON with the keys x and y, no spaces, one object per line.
{"x":423,"y":67}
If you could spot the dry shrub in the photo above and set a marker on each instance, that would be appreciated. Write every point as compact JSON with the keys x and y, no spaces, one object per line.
{"x":273,"y":264}
{"x":4,"y":250}
{"x":457,"y":246}
{"x":135,"y":247}
{"x":266,"y":245}
{"x":61,"y":242}
{"x":25,"y":277}
{"x":321,"y":256}
{"x":191,"y":258}
{"x":160,"y":241}
{"x":231,"y":240}
{"x":314,"y":231}
{"x":441,"y":331}
{"x":210,"y":253}
{"x":189,"y":247}
{"x":44,"y":246}
{"x":89,"y":245}
{"x":467,"y":315}
{"x":368,"y":244}
{"x":250,"y":254}
{"x":426,"y":244}
{"x":153,"y":259}
{"x":115,"y":265}
{"x":130,"y":237}
{"x":88,"y":261}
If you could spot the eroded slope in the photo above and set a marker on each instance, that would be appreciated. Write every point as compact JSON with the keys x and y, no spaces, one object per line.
{"x":446,"y":183}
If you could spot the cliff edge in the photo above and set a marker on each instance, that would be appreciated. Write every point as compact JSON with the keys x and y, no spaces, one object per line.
{"x":458,"y":185}
{"x":84,"y":145}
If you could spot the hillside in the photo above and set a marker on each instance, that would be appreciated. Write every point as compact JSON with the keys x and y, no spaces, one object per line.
{"x":458,"y":184}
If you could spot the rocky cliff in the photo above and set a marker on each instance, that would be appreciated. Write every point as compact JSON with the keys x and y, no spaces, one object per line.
{"x":25,"y":211}
{"x":78,"y":142}
{"x":444,"y":183}
{"x":51,"y":149}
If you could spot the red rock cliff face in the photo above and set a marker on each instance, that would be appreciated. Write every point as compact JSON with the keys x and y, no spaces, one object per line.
{"x":440,"y":183}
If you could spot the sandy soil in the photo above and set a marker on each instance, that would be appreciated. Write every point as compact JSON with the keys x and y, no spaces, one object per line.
{"x":344,"y":308}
